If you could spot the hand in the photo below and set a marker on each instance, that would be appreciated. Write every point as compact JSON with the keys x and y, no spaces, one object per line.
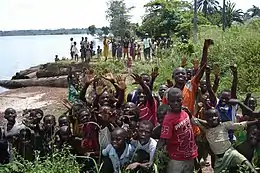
{"x":109,"y":77}
{"x":208,"y":42}
{"x":233,"y":68}
{"x":138,"y":79}
{"x":195,"y":63}
{"x":169,"y":83}
{"x":208,"y":70}
{"x":100,"y":87}
{"x":121,"y":82}
{"x":183,"y":61}
{"x":216,"y":70}
{"x":233,"y":101}
{"x":155,"y":73}
{"x":133,"y":166}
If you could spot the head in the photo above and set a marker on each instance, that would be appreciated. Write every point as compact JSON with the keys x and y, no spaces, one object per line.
{"x":106,"y":113}
{"x":225,"y":96}
{"x":65,"y":133}
{"x":203,"y":86}
{"x":180,"y":76}
{"x":56,"y":56}
{"x":35,"y":116}
{"x":252,"y":103}
{"x":146,"y":35}
{"x":75,"y":43}
{"x":71,"y":39}
{"x":25,"y":135}
{"x":10,"y":115}
{"x":146,"y":78}
{"x":63,"y":120}
{"x":145,"y":129}
{"x":212,"y":117}
{"x":104,"y":99}
{"x":49,"y":122}
{"x":130,"y":110}
{"x":161,"y":112}
{"x":86,"y":38}
{"x":253,"y":135}
{"x":82,"y":38}
{"x":189,"y":73}
{"x":84,"y":116}
{"x":118,"y":138}
{"x":98,"y":47}
{"x":175,"y":100}
{"x":162,"y":90}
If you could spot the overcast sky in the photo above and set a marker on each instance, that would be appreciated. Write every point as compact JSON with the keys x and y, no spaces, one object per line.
{"x":51,"y":14}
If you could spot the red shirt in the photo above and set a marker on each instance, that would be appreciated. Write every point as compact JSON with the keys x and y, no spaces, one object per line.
{"x":177,"y":129}
{"x":149,"y":112}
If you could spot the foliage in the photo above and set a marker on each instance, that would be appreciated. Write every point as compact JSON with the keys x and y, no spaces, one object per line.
{"x":208,"y":6}
{"x":118,"y":16}
{"x":105,"y":30}
{"x":254,"y":11}
{"x":92,"y":29}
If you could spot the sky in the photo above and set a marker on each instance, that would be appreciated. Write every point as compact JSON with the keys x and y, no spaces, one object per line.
{"x":53,"y":14}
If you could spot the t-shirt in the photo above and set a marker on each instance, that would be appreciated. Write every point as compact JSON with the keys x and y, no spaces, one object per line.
{"x":146,"y":43}
{"x":149,"y":112}
{"x":150,"y":147}
{"x":189,"y":97}
{"x":177,"y":129}
{"x":218,"y":136}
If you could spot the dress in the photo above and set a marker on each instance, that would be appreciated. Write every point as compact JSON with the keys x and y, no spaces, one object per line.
{"x":105,"y":44}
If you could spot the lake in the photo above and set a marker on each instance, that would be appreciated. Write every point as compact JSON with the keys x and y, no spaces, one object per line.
{"x":21,"y":52}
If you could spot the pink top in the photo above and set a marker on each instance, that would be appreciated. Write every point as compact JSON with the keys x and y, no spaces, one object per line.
{"x":177,"y":129}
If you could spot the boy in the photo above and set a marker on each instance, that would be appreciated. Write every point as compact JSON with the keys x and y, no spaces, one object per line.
{"x":118,"y":153}
{"x":99,"y":51}
{"x":217,"y":136}
{"x":177,"y":134}
{"x":145,"y":142}
{"x":75,"y":51}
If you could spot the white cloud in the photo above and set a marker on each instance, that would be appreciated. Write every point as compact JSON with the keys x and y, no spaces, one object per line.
{"x":46,"y":14}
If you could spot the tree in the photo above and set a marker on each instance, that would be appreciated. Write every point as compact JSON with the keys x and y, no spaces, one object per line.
{"x":254,"y":11}
{"x":105,"y":30}
{"x":92,"y":29}
{"x":208,"y":6}
{"x":232,"y":14}
{"x":118,"y":16}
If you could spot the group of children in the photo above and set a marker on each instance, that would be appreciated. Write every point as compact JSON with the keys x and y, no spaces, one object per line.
{"x":185,"y":116}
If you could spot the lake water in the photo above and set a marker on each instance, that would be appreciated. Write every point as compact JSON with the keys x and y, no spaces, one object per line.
{"x":21,"y":52}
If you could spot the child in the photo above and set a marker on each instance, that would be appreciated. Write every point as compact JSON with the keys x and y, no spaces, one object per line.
{"x":178,"y":135}
{"x":139,"y":49}
{"x":162,"y":111}
{"x":118,"y":153}
{"x":129,"y":65}
{"x":88,"y":54}
{"x":145,"y":142}
{"x":119,"y":52}
{"x":56,"y":58}
{"x":99,"y":51}
{"x":218,"y":138}
{"x":75,"y":51}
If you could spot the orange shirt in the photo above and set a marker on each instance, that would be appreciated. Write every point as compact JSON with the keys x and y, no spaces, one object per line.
{"x":189,"y":96}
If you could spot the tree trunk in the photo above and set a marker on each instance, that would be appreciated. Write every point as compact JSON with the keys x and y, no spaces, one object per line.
{"x":48,"y":82}
{"x":224,"y":15}
{"x":195,"y":22}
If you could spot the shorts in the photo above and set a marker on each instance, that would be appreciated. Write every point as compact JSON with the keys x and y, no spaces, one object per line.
{"x":125,"y":50}
{"x":181,"y":166}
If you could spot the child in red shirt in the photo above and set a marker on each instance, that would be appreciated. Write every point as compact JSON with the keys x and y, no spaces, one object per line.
{"x":178,"y":136}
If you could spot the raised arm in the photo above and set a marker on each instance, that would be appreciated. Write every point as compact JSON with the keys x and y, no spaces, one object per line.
{"x":234,"y":82}
{"x":154,"y":75}
{"x":146,"y":89}
{"x":212,"y":97}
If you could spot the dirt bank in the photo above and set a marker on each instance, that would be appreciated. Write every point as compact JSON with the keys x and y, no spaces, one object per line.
{"x":48,"y":99}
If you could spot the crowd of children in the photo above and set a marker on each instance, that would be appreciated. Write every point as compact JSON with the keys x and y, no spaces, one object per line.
{"x":185,"y":116}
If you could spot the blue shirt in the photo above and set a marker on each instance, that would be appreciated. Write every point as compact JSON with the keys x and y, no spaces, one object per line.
{"x":116,"y":161}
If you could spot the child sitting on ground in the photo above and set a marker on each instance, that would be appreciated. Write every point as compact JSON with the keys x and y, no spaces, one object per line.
{"x":217,"y":135}
{"x":118,"y":153}
{"x":146,"y":143}
{"x":178,"y":135}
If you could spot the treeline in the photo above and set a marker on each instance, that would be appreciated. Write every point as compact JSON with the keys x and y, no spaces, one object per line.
{"x":90,"y":30}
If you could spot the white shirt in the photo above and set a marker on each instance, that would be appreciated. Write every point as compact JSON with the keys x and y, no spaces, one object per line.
{"x":150,"y":147}
{"x":75,"y":49}
{"x":15,"y":130}
{"x":146,"y":43}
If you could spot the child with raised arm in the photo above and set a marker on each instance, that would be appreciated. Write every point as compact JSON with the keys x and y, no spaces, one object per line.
{"x":178,"y":136}
{"x":217,"y":135}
